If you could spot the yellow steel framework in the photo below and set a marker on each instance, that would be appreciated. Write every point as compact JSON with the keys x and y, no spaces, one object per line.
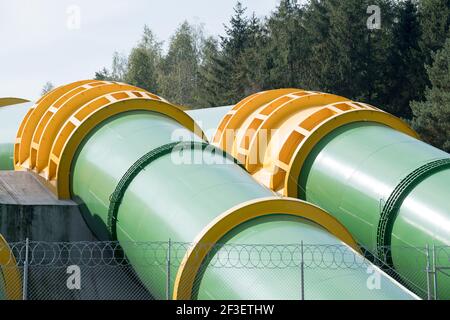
{"x":272,"y":132}
{"x":9,"y":101}
{"x":51,"y":132}
{"x":227,"y":221}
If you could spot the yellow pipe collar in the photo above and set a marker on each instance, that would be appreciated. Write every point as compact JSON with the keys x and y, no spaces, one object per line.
{"x":273,"y":132}
{"x":303,"y":149}
{"x":219,"y":227}
{"x":55,"y":117}
{"x":54,"y":128}
{"x":31,"y":120}
{"x":234,"y":118}
{"x":9,"y":101}
{"x":10,"y":272}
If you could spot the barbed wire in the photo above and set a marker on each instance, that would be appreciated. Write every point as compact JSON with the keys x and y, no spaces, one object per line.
{"x":124,"y":265}
{"x":249,"y":256}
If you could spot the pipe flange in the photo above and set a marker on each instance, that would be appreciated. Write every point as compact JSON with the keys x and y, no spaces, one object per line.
{"x":395,"y":200}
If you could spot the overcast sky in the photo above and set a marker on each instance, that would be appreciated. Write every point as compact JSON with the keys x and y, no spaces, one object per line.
{"x":63,"y":41}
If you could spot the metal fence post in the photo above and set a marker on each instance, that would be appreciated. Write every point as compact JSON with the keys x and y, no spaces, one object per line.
{"x":302,"y":272}
{"x":435,"y":280}
{"x":25,"y":271}
{"x":428,"y":271}
{"x":168,"y":262}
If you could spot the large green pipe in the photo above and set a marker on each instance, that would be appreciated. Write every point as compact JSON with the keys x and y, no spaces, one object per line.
{"x":169,"y":200}
{"x":360,"y":169}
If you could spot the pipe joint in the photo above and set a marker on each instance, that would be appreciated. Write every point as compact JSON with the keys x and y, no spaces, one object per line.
{"x":392,"y":205}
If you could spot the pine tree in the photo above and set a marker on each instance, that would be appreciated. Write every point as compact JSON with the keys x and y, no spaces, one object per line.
{"x":408,"y":77}
{"x":435,"y":23}
{"x":432,"y":116}
{"x":287,"y":46}
{"x":104,"y":74}
{"x":316,"y":22}
{"x":233,"y":46}
{"x":254,"y":58}
{"x":339,"y":42}
{"x":210,"y":75}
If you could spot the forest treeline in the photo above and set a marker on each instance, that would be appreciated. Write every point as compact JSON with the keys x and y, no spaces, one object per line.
{"x":402,"y":67}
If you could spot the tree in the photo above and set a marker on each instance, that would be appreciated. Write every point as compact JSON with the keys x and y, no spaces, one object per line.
{"x":209,"y":76}
{"x":143,"y":62}
{"x":322,"y":45}
{"x":341,"y":54}
{"x":254,"y":58}
{"x":432,"y":116}
{"x":287,"y":46}
{"x":118,"y":70}
{"x":338,"y":37}
{"x":408,"y":75}
{"x":104,"y":75}
{"x":435,"y":23}
{"x":119,"y":67}
{"x":48,"y":86}
{"x":316,"y":22}
{"x":233,"y":46}
{"x":179,"y":69}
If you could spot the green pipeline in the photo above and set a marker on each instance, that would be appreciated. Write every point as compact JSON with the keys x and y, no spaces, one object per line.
{"x":6,"y":156}
{"x":177,"y":195}
{"x":388,"y":189}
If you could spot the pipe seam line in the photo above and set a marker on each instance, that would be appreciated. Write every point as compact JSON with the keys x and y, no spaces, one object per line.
{"x":395,"y":199}
{"x":119,"y":192}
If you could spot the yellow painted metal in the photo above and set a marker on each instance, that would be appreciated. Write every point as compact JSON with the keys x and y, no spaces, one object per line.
{"x":56,"y":116}
{"x":10,"y":271}
{"x":9,"y":101}
{"x":251,"y":129}
{"x":54,"y":128}
{"x":279,"y":114}
{"x":240,"y":214}
{"x":31,"y":120}
{"x":303,"y":149}
{"x":89,"y":117}
{"x":273,"y":132}
{"x":237,"y":115}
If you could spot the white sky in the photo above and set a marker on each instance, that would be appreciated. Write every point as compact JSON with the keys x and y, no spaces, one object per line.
{"x":38,"y":42}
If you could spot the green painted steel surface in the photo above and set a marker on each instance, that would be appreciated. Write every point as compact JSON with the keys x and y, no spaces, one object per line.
{"x":6,"y":156}
{"x":176,"y":197}
{"x":424,"y":218}
{"x":352,"y":172}
{"x":10,"y":119}
{"x":333,"y":272}
{"x":105,"y":159}
{"x":209,"y":119}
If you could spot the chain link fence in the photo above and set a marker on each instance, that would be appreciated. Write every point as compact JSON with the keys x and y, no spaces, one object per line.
{"x":164,"y":270}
